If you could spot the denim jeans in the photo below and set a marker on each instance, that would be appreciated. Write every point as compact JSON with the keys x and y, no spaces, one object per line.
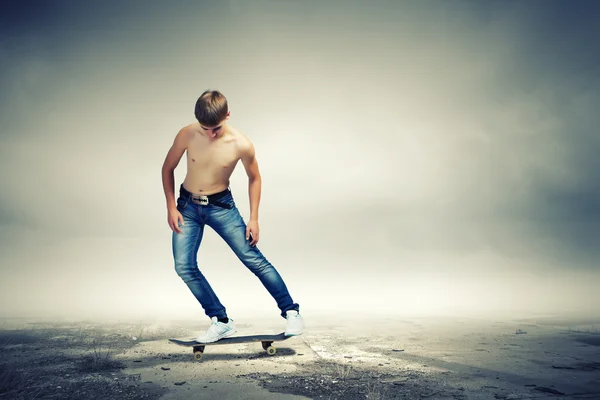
{"x":229,"y":224}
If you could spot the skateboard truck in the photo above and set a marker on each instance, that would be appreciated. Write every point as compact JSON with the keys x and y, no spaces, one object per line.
{"x":266,"y":345}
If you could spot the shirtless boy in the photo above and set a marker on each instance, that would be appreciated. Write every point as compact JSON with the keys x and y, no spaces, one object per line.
{"x":213,"y":150}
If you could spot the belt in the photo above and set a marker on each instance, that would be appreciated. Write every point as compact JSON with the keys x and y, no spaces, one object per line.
{"x":205,"y":200}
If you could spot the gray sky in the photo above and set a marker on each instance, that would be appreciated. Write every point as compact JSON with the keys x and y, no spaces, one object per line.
{"x":417,"y":156}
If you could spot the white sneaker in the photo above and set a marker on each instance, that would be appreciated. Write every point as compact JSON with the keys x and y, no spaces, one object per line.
{"x":217,"y":330}
{"x":295,"y":323}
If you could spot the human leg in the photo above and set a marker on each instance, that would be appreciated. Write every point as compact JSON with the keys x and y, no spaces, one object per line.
{"x":185,"y":254}
{"x":229,"y":224}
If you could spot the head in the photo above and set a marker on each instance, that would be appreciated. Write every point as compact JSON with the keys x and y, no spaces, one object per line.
{"x":211,"y":112}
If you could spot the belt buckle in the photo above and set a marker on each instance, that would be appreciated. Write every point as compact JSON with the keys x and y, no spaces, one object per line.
{"x":199,"y":199}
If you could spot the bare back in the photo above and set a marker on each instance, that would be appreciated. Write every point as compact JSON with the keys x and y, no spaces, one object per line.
{"x":210,"y":163}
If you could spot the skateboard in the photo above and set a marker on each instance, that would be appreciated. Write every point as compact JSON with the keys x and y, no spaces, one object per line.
{"x":266,"y":340}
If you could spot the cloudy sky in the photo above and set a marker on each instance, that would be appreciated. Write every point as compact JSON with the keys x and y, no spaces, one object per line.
{"x":417,"y":156}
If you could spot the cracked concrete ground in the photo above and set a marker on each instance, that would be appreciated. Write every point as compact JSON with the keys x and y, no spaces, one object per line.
{"x":383,"y":358}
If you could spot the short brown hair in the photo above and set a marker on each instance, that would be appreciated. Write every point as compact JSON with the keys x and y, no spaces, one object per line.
{"x":211,"y":108}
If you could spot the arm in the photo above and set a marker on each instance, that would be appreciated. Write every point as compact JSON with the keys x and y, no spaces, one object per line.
{"x":254,"y":189}
{"x":171,"y":161}
{"x":254,"y":179}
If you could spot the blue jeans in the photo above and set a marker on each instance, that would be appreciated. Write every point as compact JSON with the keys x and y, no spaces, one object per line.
{"x":229,"y":224}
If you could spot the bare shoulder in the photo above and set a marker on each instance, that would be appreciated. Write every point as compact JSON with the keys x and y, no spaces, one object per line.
{"x":179,"y":146}
{"x":247,"y":155}
{"x":186,"y":133}
{"x":244,"y":144}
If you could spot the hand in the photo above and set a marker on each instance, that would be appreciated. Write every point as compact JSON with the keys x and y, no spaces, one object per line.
{"x":173,"y":219}
{"x":252,"y":228}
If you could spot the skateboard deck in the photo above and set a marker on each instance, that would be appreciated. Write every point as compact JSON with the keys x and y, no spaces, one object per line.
{"x":266,"y":341}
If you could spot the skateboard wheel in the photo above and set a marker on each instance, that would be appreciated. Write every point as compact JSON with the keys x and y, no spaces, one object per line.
{"x":271,"y":350}
{"x":198,"y":355}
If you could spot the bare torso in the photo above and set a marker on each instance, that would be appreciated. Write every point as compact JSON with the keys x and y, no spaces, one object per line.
{"x":210,"y":162}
